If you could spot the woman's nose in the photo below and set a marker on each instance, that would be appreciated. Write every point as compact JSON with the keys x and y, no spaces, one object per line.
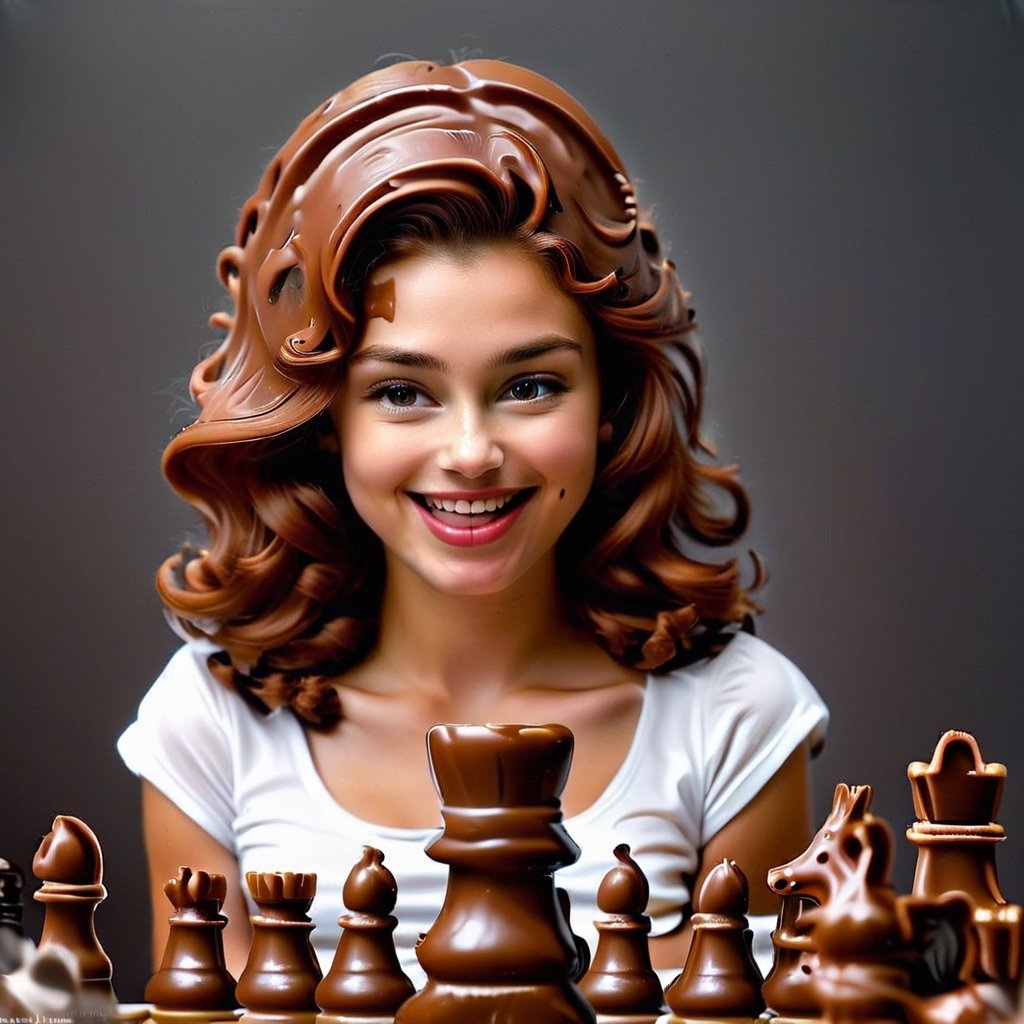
{"x":470,"y":447}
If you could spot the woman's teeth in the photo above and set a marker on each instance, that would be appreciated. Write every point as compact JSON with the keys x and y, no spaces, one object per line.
{"x":462,"y":505}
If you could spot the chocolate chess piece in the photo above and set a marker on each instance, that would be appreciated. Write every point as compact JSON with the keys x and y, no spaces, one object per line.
{"x":956,"y":799}
{"x":280,"y":977}
{"x":365,"y":983}
{"x":864,"y":956}
{"x":192,"y":982}
{"x":621,"y":984}
{"x":788,"y":988}
{"x":12,"y":883}
{"x":719,"y":980}
{"x":499,"y":949}
{"x":69,"y":863}
{"x":811,"y":878}
{"x":582,"y":964}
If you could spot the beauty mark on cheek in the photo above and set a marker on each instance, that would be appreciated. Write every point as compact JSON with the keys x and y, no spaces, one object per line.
{"x":379,"y":299}
{"x":561,"y":494}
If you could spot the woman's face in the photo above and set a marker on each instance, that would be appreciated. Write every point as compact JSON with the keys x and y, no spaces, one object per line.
{"x":468,"y":418}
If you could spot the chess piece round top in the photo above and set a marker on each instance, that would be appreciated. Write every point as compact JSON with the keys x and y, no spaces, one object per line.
{"x":725,"y":891}
{"x":370,"y":887}
{"x":624,"y":889}
{"x":69,"y":854}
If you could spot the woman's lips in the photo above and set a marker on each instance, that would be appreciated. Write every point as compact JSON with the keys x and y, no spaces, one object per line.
{"x":465,"y":521}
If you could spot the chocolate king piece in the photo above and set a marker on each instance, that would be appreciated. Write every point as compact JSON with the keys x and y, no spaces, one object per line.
{"x":956,"y":799}
{"x":69,"y":863}
{"x":500,"y":949}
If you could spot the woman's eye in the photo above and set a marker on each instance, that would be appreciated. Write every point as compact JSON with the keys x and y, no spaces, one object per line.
{"x":400,"y":394}
{"x":529,"y":389}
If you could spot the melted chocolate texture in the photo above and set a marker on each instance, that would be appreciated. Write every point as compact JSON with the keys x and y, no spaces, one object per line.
{"x":413,"y":129}
{"x":500,"y":949}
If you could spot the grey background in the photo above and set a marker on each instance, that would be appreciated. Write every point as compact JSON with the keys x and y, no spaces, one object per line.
{"x":841,"y":187}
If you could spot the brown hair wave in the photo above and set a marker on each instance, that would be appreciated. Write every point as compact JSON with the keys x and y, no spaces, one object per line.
{"x":417,"y":154}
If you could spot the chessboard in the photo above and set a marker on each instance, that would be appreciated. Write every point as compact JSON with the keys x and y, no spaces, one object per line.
{"x":848,"y":948}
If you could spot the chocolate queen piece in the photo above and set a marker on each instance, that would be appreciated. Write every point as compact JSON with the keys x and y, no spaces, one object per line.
{"x":500,"y":949}
{"x":956,"y":798}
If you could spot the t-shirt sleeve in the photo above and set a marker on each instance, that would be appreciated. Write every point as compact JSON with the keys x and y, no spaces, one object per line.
{"x":180,"y":743}
{"x":756,"y":711}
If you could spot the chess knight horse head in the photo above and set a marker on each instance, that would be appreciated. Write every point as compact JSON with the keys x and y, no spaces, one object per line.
{"x":818,"y":873}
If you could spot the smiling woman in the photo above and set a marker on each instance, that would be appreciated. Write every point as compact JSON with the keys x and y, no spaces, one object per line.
{"x":449,"y":461}
{"x":497,"y":405}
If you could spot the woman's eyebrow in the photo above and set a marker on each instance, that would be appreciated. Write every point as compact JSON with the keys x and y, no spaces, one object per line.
{"x":425,"y":361}
{"x":532,"y":349}
{"x":399,"y":357}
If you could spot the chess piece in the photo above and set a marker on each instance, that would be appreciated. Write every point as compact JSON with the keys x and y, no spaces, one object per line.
{"x":365,"y":984}
{"x":500,"y":949}
{"x":863,"y":953}
{"x":719,"y":980}
{"x":280,"y":977}
{"x":810,"y":879}
{"x":12,"y":883}
{"x":621,"y":985}
{"x":582,"y":964}
{"x":69,"y":863}
{"x":956,"y":799}
{"x":788,"y":988}
{"x":192,"y":983}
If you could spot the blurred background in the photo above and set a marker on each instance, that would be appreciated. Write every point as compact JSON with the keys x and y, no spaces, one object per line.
{"x":840,"y":185}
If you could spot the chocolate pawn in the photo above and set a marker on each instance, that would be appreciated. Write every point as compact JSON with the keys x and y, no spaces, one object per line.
{"x":365,"y":982}
{"x":192,"y":977}
{"x":719,"y":980}
{"x":280,"y":977}
{"x":69,"y":863}
{"x":621,"y":983}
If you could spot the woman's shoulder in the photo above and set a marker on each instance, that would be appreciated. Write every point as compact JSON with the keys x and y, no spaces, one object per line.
{"x":747,"y":679}
{"x":187,"y":691}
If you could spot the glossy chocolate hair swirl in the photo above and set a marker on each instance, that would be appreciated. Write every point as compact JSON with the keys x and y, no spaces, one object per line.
{"x":414,"y":155}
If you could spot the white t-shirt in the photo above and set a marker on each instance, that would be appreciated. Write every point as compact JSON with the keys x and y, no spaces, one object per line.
{"x":709,"y":736}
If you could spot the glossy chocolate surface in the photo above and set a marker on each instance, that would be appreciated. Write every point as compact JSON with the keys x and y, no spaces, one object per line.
{"x":500,"y":948}
{"x":365,"y":979}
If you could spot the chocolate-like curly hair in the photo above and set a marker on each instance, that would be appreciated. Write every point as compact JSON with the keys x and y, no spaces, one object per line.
{"x":408,"y":157}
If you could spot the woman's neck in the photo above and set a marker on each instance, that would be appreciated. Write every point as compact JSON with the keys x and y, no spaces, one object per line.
{"x":474,"y":649}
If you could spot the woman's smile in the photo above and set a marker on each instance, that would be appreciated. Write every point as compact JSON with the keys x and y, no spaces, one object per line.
{"x":468,"y":418}
{"x":468,"y":520}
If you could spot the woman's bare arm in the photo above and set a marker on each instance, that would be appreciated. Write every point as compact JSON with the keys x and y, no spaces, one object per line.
{"x":772,"y":829}
{"x":174,"y":840}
